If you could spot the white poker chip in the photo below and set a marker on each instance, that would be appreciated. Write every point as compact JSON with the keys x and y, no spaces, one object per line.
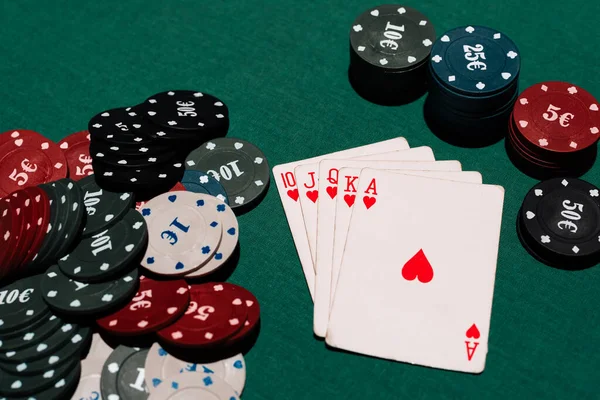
{"x":192,"y":386}
{"x":184,"y":231}
{"x":162,"y":367}
{"x":228,"y":243}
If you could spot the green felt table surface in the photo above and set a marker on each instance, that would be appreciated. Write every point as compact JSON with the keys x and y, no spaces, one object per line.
{"x":281,"y":68}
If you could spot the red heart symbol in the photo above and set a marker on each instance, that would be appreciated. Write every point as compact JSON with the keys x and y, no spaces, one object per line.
{"x":473,"y":332}
{"x":293,"y":193}
{"x":418,"y":267}
{"x":332,"y":191}
{"x":349,"y":199}
{"x":369,"y":201}
{"x":312,"y":195}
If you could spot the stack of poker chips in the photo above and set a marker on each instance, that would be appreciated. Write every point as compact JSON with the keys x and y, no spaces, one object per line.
{"x":559,"y":223}
{"x":473,"y":84}
{"x":142,"y":148}
{"x":389,"y":51}
{"x":553,"y":130}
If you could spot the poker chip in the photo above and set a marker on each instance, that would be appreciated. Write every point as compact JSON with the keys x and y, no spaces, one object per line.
{"x":123,"y":374}
{"x":392,"y":37}
{"x":216,"y":313}
{"x":35,"y":333}
{"x":76,"y":148}
{"x":201,"y":182}
{"x":181,"y":111}
{"x":120,"y":126}
{"x":227,"y":246}
{"x":184,"y":231}
{"x":61,"y":389}
{"x":553,"y":130}
{"x":177,"y":187}
{"x":191,"y":386}
{"x":43,"y":348}
{"x":34,"y":212}
{"x":104,"y":208}
{"x":109,"y":252}
{"x":475,"y":60}
{"x":77,"y":298}
{"x":65,"y":225}
{"x":61,"y":352}
{"x":160,"y":366}
{"x":89,"y":384}
{"x":31,"y":159}
{"x":156,"y":305}
{"x":18,"y":201}
{"x":389,"y":49}
{"x":473,"y":85}
{"x":253,"y":317}
{"x":22,"y":304}
{"x":15,"y":385}
{"x":560,"y":222}
{"x":238,"y":165}
{"x":139,"y":180}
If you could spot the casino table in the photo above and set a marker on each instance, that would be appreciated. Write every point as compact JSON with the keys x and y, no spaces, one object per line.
{"x":281,"y":67}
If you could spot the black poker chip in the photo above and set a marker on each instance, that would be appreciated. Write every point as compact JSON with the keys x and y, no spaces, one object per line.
{"x":33,"y":335}
{"x":62,"y":388}
{"x":104,"y":208}
{"x":121,"y":374}
{"x":239,"y":166}
{"x":75,"y":298}
{"x":58,"y":336}
{"x":57,"y":353}
{"x":392,"y":37}
{"x":51,"y":238}
{"x":66,"y":227}
{"x":13,"y":385}
{"x":560,"y":223}
{"x":186,"y":110}
{"x":122,"y":125}
{"x":22,"y":304}
{"x":109,"y":252}
{"x":157,"y":178}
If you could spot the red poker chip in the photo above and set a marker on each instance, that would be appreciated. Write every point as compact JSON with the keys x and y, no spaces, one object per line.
{"x":216,"y":313}
{"x":253,"y":313}
{"x":76,"y":148}
{"x":16,"y":207}
{"x":29,"y":207}
{"x":5,"y":236}
{"x":156,"y":305}
{"x":29,"y":159}
{"x":178,"y":187}
{"x":41,"y":227}
{"x":557,"y":117}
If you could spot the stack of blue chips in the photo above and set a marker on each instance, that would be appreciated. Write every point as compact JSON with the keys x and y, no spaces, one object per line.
{"x":473,"y":85}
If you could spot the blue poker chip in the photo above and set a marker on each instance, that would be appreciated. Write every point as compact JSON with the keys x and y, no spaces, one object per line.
{"x":201,"y":182}
{"x":475,"y":60}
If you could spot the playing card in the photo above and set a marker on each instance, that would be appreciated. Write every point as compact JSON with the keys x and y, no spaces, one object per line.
{"x":288,"y":193}
{"x":333,"y":172}
{"x":345,"y":201}
{"x":307,"y":178}
{"x":418,"y":270}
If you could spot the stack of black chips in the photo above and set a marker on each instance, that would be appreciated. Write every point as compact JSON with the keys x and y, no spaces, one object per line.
{"x":389,"y":53}
{"x":142,"y":149}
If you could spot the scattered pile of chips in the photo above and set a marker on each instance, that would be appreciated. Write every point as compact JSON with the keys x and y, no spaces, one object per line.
{"x":559,"y":223}
{"x":141,"y":148}
{"x":389,"y":53}
{"x":473,"y":84}
{"x":554,"y":130}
